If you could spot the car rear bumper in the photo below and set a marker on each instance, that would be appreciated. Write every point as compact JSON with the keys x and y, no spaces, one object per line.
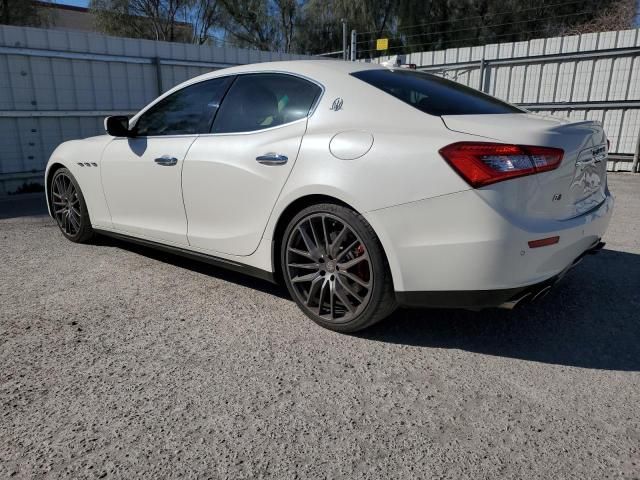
{"x":457,"y":251}
{"x":507,"y":298}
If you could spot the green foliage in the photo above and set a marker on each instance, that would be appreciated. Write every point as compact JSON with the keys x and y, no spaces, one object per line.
{"x":419,"y":25}
{"x":448,"y":23}
{"x":150,"y":19}
{"x":21,"y":12}
{"x":315,"y":26}
{"x":251,"y":23}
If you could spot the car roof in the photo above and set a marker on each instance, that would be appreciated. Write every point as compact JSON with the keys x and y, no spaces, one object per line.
{"x":320,"y":71}
{"x":314,"y":69}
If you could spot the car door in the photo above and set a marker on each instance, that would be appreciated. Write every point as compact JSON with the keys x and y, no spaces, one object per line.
{"x":141,"y":176}
{"x":232,"y":177}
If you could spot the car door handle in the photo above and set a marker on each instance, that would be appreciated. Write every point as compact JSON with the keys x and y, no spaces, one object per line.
{"x":272,"y":159}
{"x":166,"y":161}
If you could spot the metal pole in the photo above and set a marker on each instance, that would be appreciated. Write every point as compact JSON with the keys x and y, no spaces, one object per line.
{"x":486,"y":80}
{"x":344,"y":40}
{"x":353,"y":45}
{"x":481,"y":79}
{"x":158,"y":68}
{"x":636,"y":156}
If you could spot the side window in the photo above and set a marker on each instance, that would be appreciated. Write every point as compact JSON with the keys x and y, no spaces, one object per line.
{"x":187,"y":111}
{"x":264,"y":100}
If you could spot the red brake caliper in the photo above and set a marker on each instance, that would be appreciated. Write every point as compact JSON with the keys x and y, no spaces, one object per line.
{"x":362,"y":267}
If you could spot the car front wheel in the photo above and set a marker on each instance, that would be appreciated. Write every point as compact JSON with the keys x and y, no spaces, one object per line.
{"x":335,"y":268}
{"x":69,"y":208}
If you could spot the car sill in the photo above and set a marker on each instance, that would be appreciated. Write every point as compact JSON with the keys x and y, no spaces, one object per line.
{"x":193,"y":255}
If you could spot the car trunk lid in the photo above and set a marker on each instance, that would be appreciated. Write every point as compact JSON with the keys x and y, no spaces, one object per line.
{"x":575,"y":187}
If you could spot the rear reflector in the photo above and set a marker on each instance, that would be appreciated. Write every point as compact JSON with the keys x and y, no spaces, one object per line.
{"x":543,"y":242}
{"x":480,"y":163}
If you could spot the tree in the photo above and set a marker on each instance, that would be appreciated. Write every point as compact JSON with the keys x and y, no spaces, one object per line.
{"x":251,"y":23}
{"x":287,"y":10}
{"x":315,"y":26}
{"x":151,"y":19}
{"x":320,"y":22}
{"x":420,"y":25}
{"x":204,"y":16}
{"x":369,"y":15}
{"x":618,"y":16}
{"x":21,"y":12}
{"x":319,"y":28}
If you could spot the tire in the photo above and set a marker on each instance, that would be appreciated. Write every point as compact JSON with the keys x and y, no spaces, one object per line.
{"x":335,"y":269}
{"x":69,"y":208}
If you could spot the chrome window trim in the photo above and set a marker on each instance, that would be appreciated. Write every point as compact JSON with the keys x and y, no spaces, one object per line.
{"x":247,"y":132}
{"x":181,"y":135}
{"x":251,"y":132}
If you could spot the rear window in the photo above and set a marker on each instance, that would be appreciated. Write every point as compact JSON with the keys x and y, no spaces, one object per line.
{"x":434,"y":95}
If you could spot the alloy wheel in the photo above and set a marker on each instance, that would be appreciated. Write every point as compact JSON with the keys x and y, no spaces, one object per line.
{"x":66,"y":204}
{"x":329,"y":267}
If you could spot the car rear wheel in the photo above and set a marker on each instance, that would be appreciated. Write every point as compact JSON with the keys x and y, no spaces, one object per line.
{"x":335,"y":269}
{"x":69,"y":208}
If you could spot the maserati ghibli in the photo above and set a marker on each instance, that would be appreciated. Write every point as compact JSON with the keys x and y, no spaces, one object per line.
{"x":360,"y":187}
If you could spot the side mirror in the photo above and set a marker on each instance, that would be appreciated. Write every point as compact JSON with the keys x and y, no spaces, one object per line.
{"x":118,"y":126}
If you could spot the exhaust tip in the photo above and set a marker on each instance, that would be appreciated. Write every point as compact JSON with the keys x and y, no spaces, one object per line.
{"x":596,"y":249}
{"x":542,"y":293}
{"x":511,"y":304}
{"x":528,"y":297}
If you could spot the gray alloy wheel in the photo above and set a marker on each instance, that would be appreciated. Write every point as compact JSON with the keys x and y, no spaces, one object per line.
{"x":335,"y":269}
{"x":68,"y":207}
{"x":329,"y":267}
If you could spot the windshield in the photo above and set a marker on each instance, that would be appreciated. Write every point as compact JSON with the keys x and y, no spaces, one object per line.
{"x":434,"y":95}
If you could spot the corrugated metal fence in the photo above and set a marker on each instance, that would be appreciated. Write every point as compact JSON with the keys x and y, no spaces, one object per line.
{"x":589,"y":76}
{"x":58,"y":85}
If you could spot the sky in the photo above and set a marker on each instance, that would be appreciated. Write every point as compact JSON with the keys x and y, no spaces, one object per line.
{"x":77,"y":3}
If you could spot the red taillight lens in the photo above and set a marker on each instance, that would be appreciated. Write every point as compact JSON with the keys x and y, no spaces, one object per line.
{"x":482,"y":163}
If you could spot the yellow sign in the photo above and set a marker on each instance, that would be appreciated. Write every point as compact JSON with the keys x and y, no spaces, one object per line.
{"x":382,"y":44}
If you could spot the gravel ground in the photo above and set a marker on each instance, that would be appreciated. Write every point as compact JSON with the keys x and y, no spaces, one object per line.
{"x":121,"y":362}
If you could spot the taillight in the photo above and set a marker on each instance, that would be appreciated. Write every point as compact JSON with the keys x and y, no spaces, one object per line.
{"x":482,"y":163}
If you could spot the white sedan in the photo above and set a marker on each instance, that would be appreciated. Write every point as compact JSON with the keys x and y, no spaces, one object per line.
{"x":360,"y":187}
